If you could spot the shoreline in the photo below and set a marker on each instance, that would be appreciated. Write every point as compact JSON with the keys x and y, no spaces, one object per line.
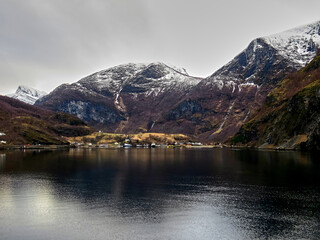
{"x":60,"y":147}
{"x":45,"y":147}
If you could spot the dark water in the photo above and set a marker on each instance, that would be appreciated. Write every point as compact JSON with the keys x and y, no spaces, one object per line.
{"x":159,"y":194}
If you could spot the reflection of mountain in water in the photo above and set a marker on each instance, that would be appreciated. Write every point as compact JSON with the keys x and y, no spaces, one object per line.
{"x":260,"y":191}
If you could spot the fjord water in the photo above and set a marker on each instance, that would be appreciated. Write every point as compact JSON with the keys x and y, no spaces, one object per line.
{"x":159,"y":194}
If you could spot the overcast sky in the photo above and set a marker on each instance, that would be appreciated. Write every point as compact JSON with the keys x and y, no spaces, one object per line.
{"x":44,"y":43}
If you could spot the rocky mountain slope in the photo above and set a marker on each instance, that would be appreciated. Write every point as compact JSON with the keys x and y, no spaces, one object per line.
{"x":27,"y":94}
{"x":22,"y":123}
{"x":159,"y":98}
{"x":236,"y":91}
{"x":290,"y":118}
{"x":125,"y":98}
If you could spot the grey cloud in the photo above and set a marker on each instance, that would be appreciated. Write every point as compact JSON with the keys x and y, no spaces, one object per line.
{"x":65,"y":36}
{"x":44,"y":43}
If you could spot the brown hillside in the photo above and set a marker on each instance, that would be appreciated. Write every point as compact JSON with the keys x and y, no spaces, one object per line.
{"x":26,"y":124}
{"x":291,"y":115}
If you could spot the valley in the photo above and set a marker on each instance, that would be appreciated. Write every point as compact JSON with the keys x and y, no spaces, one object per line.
{"x":140,"y":98}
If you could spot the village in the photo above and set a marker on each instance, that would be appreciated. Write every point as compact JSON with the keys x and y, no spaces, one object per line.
{"x":114,"y":141}
{"x":129,"y":144}
{"x":140,"y":140}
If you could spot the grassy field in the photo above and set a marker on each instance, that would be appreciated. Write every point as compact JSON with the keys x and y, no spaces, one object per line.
{"x":140,"y":138}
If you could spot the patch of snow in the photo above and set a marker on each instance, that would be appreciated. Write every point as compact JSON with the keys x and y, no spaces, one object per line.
{"x":299,"y":44}
{"x":216,"y":82}
{"x":116,"y":100}
{"x":179,"y":70}
{"x":256,"y":45}
{"x":134,"y":95}
{"x":117,"y":103}
{"x":231,"y":84}
{"x":240,"y":86}
{"x":249,"y":84}
{"x":27,"y":94}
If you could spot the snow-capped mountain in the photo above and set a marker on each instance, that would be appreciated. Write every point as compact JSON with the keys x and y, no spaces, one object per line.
{"x":123,"y":98}
{"x":151,"y":79}
{"x":241,"y":86}
{"x":162,"y":98}
{"x":299,"y":45}
{"x":27,"y":94}
{"x":267,"y":58}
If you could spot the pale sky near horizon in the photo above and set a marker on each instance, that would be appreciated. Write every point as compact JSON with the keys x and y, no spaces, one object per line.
{"x":44,"y":43}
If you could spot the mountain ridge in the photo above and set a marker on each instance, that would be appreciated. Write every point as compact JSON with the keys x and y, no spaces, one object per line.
{"x":112,"y":96}
{"x":141,"y":97}
{"x":23,"y":123}
{"x":290,"y":118}
{"x":245,"y":81}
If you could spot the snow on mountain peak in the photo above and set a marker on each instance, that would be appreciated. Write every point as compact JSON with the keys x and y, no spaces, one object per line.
{"x":298,"y":44}
{"x":266,"y":58}
{"x":30,"y":91}
{"x":27,"y":94}
{"x":143,"y":75}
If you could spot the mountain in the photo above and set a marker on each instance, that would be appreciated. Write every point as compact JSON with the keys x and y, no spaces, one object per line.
{"x":260,"y":61}
{"x":237,"y":90}
{"x":125,"y":98}
{"x":27,"y":94}
{"x":160,"y":98}
{"x":290,"y":118}
{"x":22,"y":123}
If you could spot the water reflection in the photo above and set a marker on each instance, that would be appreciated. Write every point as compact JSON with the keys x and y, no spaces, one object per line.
{"x":159,"y":194}
{"x":2,"y":159}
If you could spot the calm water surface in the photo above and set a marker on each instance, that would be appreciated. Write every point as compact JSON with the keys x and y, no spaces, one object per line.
{"x":159,"y":194}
